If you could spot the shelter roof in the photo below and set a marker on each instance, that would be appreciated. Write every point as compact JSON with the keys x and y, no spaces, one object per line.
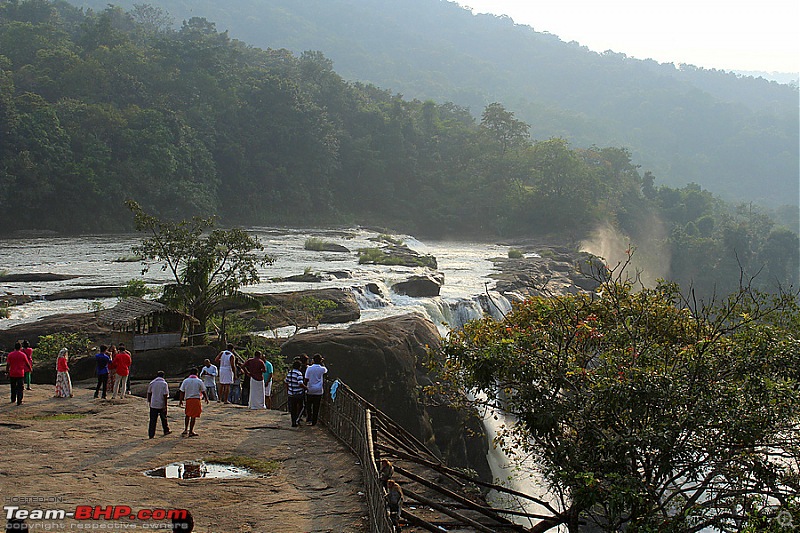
{"x":129,"y":310}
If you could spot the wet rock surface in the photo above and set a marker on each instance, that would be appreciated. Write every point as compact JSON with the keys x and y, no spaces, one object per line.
{"x":555,"y":271}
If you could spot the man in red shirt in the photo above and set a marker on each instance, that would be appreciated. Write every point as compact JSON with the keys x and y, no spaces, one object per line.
{"x":122,"y":364}
{"x":17,"y":364}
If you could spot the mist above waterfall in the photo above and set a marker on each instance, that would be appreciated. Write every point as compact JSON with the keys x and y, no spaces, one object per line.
{"x":650,"y":258}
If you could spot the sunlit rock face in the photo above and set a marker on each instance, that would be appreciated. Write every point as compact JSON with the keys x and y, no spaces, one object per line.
{"x":382,"y":360}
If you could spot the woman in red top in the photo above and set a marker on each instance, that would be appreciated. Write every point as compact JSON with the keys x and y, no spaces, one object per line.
{"x":63,"y":382}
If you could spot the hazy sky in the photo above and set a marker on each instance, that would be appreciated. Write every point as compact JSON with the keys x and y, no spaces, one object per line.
{"x":761,"y":35}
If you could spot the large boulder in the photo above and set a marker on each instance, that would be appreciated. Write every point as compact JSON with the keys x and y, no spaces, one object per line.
{"x":426,"y":286}
{"x":555,"y":271}
{"x":288,"y":308}
{"x":383,"y":361}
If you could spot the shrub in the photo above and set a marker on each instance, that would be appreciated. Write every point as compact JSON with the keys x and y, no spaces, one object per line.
{"x":136,"y":288}
{"x":49,"y":345}
{"x":314,"y":243}
{"x":513,"y":253}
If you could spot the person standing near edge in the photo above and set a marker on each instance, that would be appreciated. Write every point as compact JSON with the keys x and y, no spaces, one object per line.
{"x":192,"y":391}
{"x":17,"y":364}
{"x":28,"y":351}
{"x":254,"y":367}
{"x":209,"y":375}
{"x":227,"y":371}
{"x":63,"y":382}
{"x":157,"y":397}
{"x":314,"y":379}
{"x":102,"y":359}
{"x":267,"y":381}
{"x":295,"y":388}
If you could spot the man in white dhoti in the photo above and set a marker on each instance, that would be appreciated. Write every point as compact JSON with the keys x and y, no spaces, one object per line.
{"x":227,"y":371}
{"x":255,"y":368}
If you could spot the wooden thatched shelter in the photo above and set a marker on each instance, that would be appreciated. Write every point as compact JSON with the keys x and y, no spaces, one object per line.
{"x":144,"y":324}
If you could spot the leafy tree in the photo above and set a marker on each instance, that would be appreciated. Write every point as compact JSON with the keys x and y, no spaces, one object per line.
{"x":502,"y":127}
{"x":207,"y":267}
{"x":644,"y":412}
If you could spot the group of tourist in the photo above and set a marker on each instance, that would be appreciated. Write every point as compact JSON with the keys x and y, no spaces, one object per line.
{"x":304,"y":383}
{"x":304,"y":386}
{"x":113,"y":367}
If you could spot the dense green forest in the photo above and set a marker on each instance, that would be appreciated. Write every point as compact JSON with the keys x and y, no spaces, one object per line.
{"x":735,"y":136}
{"x":99,"y":107}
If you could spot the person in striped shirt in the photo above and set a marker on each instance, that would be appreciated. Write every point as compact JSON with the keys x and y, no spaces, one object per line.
{"x":296,"y":388}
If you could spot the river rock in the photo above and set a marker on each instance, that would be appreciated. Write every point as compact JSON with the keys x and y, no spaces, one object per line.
{"x":333,"y":247}
{"x":426,"y":286}
{"x":400,"y":254}
{"x":8,"y":300}
{"x":90,"y":293}
{"x":383,"y":361}
{"x":286,"y":310}
{"x":37,"y":277}
{"x":554,"y":273}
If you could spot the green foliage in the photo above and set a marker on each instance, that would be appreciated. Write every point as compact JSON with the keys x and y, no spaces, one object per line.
{"x":307,"y":311}
{"x":95,"y":306}
{"x":379,"y":257}
{"x":391,"y":239}
{"x":49,"y":345}
{"x":638,"y":406}
{"x":513,"y":253}
{"x":314,"y":243}
{"x":207,"y":267}
{"x":5,"y":311}
{"x":136,"y":288}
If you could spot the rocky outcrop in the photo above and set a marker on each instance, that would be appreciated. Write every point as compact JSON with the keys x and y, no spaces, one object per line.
{"x":37,"y":277}
{"x":288,"y":308}
{"x":397,"y":254}
{"x":89,"y":293}
{"x":426,"y":286}
{"x":555,"y":271}
{"x":332,"y":247}
{"x":382,"y":361}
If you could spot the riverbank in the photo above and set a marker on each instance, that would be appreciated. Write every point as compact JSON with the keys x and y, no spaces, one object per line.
{"x":62,"y":453}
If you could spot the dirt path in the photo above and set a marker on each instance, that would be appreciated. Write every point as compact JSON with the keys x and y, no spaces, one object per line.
{"x":99,"y":456}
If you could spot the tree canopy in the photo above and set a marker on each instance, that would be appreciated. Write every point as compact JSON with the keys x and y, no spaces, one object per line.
{"x":207,"y":267}
{"x":642,"y":411}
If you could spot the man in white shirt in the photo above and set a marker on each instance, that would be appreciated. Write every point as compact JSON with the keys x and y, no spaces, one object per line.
{"x":157,"y":396}
{"x":192,"y":391}
{"x":209,"y":375}
{"x":314,"y":380}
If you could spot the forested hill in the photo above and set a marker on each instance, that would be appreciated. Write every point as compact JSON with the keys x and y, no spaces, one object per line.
{"x":101,"y":107}
{"x":736,"y":136}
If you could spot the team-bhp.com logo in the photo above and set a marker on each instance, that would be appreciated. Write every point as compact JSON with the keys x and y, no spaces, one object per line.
{"x":94,"y":512}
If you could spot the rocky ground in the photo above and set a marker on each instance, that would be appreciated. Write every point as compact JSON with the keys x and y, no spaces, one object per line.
{"x":62,"y":453}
